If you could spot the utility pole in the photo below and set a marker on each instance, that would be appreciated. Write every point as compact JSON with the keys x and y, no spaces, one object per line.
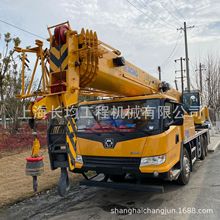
{"x":184,"y":28}
{"x":201,"y":68}
{"x":175,"y":81}
{"x":200,"y":76}
{"x":187,"y":57}
{"x":159,"y":71}
{"x":181,"y":70}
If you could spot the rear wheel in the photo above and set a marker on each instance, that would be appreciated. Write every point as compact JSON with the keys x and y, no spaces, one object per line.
{"x":206,"y":144}
{"x":184,"y":176}
{"x":203,"y":148}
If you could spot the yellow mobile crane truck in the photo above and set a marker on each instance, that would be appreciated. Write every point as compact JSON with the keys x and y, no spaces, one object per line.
{"x":136,"y":127}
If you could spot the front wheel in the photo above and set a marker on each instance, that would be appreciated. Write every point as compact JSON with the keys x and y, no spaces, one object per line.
{"x":184,"y":176}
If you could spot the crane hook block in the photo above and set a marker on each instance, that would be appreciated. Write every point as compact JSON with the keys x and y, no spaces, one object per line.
{"x":34,"y":166}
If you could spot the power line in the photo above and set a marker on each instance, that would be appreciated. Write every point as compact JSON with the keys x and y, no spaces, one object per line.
{"x":177,"y":10}
{"x":173,"y":50}
{"x":147,"y":6}
{"x":173,"y":15}
{"x":142,"y":12}
{"x":21,"y":29}
{"x":141,"y":4}
{"x":133,"y":5}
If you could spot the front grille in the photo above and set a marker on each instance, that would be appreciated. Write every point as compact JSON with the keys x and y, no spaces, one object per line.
{"x":119,"y":162}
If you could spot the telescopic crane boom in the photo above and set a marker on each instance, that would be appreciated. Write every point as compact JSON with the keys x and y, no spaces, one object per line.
{"x":79,"y":63}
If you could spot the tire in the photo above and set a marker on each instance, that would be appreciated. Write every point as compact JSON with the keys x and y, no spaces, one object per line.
{"x":63,"y":184}
{"x":206,"y":144}
{"x":199,"y":149}
{"x":184,"y":176}
{"x":117,"y":178}
{"x":203,"y":148}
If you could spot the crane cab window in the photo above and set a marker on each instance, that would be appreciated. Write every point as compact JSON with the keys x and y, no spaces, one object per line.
{"x":191,"y":101}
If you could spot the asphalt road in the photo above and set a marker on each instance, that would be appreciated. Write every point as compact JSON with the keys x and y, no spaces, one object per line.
{"x":200,"y":199}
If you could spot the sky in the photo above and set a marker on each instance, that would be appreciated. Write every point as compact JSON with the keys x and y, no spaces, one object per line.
{"x":145,"y":31}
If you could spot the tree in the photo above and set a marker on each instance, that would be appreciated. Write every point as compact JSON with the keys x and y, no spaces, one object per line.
{"x":211,"y":82}
{"x":9,"y":76}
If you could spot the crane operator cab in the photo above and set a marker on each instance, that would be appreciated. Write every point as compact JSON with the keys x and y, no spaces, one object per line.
{"x":193,"y":105}
{"x":191,"y":101}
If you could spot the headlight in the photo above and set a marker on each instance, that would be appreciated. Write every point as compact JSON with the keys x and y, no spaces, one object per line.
{"x":79,"y":159}
{"x":157,"y":160}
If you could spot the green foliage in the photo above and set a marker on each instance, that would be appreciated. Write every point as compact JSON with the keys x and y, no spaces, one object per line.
{"x":10,"y":81}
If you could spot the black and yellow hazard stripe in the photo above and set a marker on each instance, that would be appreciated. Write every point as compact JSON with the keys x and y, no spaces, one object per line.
{"x":58,"y":58}
{"x":71,"y":141}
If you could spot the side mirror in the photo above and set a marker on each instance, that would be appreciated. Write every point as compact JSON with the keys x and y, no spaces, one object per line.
{"x":178,"y":115}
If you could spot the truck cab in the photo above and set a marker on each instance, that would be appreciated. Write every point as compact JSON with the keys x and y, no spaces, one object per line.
{"x":117,"y":137}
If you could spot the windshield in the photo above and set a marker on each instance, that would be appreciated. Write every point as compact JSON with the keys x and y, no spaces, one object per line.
{"x":141,"y":115}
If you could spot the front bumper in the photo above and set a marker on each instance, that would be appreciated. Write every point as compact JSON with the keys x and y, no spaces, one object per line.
{"x":111,"y":165}
{"x":117,"y":166}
